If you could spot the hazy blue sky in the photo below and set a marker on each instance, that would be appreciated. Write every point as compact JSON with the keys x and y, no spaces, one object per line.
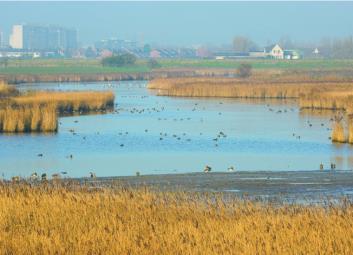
{"x":186,"y":23}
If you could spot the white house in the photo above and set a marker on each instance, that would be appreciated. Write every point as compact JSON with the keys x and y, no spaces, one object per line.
{"x":275,"y":51}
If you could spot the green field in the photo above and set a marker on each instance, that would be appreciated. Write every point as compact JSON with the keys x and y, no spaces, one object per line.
{"x":76,"y":66}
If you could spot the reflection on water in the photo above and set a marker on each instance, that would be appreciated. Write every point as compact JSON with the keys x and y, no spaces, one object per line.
{"x":153,"y":134}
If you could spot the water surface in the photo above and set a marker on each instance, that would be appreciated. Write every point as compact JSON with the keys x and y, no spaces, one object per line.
{"x":153,"y":135}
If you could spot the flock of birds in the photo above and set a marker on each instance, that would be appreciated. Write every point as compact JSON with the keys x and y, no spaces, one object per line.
{"x":163,"y":135}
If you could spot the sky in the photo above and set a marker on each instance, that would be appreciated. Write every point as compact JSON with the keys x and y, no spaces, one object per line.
{"x":187,"y":23}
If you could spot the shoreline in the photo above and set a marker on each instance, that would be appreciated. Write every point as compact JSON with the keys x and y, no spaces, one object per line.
{"x":118,"y":76}
{"x":285,"y":186}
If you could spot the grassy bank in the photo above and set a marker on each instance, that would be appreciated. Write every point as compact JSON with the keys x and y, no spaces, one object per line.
{"x":76,"y":66}
{"x":38,"y":111}
{"x":83,"y":220}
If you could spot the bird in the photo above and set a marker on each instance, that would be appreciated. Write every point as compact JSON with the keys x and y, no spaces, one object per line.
{"x":44,"y":177}
{"x":55,"y":176}
{"x":15,"y":179}
{"x":34,"y":176}
{"x":92,"y":175}
{"x":231,"y":169}
{"x":333,"y":166}
{"x":207,"y":169}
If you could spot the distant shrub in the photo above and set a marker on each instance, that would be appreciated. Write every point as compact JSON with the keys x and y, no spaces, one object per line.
{"x":119,"y":60}
{"x":153,"y":63}
{"x":244,"y":70}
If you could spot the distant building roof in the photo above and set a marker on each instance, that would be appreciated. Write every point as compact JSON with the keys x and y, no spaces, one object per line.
{"x":270,"y":47}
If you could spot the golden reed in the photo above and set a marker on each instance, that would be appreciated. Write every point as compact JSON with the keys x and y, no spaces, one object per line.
{"x":38,"y":111}
{"x":85,"y":220}
{"x":28,"y":119}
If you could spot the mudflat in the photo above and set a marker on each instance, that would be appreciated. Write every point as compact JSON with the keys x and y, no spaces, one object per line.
{"x":288,"y":186}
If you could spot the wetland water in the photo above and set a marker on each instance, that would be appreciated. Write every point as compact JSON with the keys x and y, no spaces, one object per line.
{"x":155,"y":135}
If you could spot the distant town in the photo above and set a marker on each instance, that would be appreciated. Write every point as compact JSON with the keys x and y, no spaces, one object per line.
{"x":49,"y":41}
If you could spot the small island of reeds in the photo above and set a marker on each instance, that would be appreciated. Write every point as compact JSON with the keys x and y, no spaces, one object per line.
{"x":38,"y":111}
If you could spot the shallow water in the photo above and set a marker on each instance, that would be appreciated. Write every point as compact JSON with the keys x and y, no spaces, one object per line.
{"x":174,"y":135}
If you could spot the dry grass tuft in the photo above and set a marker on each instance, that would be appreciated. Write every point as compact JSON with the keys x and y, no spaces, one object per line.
{"x":80,"y":220}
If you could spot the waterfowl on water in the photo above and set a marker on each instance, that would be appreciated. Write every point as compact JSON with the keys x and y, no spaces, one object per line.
{"x":231,"y":169}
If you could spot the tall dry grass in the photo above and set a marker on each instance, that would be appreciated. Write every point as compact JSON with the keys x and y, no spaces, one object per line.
{"x":338,"y":133}
{"x":245,"y":88}
{"x":77,"y":101}
{"x":38,"y":111}
{"x":350,"y":130}
{"x":83,"y":220}
{"x":28,"y":119}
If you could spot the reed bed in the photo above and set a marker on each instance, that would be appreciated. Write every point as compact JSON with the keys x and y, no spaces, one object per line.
{"x":39,"y":111}
{"x":28,"y":119}
{"x":83,"y":220}
{"x":350,"y":131}
{"x":338,"y":132}
{"x":244,"y":88}
{"x":76,"y":101}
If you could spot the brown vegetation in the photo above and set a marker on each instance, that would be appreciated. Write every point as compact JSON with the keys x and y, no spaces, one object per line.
{"x":38,"y":111}
{"x":27,"y":119}
{"x":87,"y":220}
{"x":350,"y":130}
{"x":338,"y":134}
{"x":7,"y":90}
{"x":77,"y":101}
{"x":254,"y":87}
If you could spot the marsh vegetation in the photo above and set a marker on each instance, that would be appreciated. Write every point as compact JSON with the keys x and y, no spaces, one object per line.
{"x":68,"y":218}
{"x":319,"y":92}
{"x":38,"y":111}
